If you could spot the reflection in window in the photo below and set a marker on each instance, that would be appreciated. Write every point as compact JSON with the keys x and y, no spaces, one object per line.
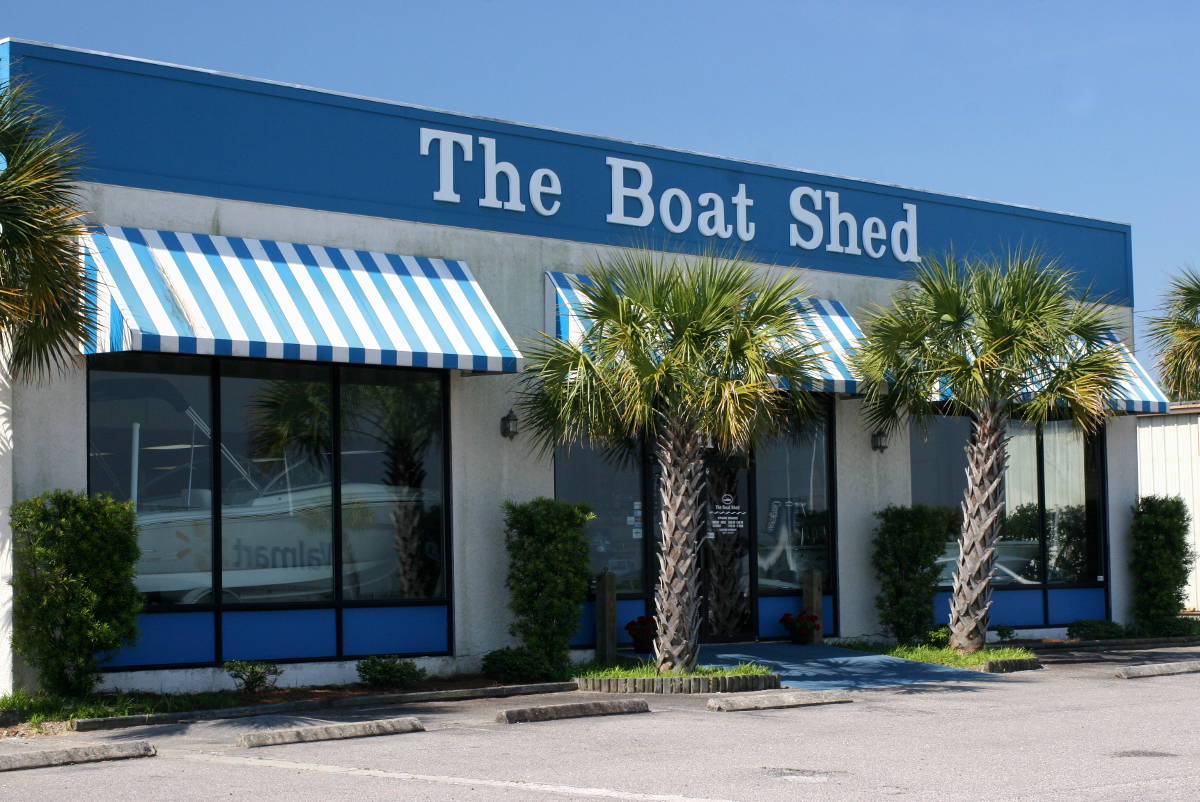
{"x":614,"y":492}
{"x":149,"y":442}
{"x":1019,"y":550}
{"x":794,"y":533}
{"x":1070,"y":496}
{"x":1068,"y":549}
{"x":392,"y":441}
{"x":276,"y":499}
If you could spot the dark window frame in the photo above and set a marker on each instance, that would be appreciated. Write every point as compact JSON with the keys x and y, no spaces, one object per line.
{"x":1095,"y":485}
{"x":127,"y":361}
{"x":650,"y":522}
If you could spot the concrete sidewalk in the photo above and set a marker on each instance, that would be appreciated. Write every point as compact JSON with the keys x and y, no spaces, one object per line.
{"x":823,"y":668}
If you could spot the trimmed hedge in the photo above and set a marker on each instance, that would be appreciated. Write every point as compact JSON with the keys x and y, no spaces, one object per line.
{"x":1160,"y":563}
{"x":75,"y":558}
{"x":908,"y":542}
{"x":547,"y":581}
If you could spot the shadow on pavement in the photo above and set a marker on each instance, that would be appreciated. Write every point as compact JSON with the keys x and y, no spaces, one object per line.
{"x":832,"y":668}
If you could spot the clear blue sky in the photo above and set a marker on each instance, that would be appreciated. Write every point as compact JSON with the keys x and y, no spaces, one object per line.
{"x":1085,"y":107}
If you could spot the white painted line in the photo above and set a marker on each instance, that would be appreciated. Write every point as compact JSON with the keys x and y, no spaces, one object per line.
{"x":437,"y":779}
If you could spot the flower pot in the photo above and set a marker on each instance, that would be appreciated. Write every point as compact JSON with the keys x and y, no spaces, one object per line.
{"x":643,"y":643}
{"x":802,"y":637}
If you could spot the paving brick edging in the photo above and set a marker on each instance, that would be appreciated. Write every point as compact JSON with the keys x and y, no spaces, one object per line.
{"x":1008,"y":666}
{"x":715,"y":684}
{"x":119,"y":722}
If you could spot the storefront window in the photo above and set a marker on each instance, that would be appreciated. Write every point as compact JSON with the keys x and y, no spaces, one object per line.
{"x":1050,"y":528}
{"x":614,"y":491}
{"x":392,"y":499}
{"x":149,"y":441}
{"x":276,"y":492}
{"x":793,"y":515}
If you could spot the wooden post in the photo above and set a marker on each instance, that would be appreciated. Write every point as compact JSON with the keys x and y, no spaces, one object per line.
{"x":814,"y":599}
{"x":606,"y":618}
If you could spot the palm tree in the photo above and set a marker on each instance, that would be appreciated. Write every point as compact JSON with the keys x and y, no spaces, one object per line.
{"x":683,"y":356}
{"x":1176,"y":333}
{"x":45,"y":313}
{"x":995,"y":340}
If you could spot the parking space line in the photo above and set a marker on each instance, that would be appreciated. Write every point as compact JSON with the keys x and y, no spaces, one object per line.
{"x":438,"y":779}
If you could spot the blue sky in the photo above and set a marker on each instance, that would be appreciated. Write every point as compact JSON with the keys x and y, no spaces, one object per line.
{"x":1084,"y":107}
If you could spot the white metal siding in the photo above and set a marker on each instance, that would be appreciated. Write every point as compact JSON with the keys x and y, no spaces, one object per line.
{"x":1169,"y":465}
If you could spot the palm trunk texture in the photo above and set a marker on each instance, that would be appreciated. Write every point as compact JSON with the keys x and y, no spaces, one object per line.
{"x":981,"y":508}
{"x":677,"y":594}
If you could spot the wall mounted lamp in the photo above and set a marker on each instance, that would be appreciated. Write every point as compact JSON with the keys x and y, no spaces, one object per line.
{"x":879,"y":441}
{"x":509,"y":425}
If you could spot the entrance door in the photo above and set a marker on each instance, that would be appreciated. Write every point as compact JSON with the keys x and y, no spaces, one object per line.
{"x":725,"y":554}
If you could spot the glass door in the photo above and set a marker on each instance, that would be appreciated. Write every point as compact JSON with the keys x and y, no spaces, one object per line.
{"x":725,"y":553}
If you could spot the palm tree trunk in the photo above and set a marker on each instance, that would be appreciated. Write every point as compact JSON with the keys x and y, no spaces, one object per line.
{"x":981,"y":508}
{"x":677,"y":595}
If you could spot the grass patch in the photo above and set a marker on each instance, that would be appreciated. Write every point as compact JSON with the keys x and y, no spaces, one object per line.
{"x":941,"y":655}
{"x":646,"y":668}
{"x":38,"y":708}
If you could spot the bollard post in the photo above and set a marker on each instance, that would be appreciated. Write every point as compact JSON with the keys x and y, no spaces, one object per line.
{"x":814,"y":599}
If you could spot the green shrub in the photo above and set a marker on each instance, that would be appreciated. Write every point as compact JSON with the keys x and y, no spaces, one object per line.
{"x":908,"y":542}
{"x":1177,"y":627}
{"x":547,"y":577}
{"x":1161,"y":562}
{"x":252,"y":676}
{"x":1095,"y":629}
{"x":389,"y":671}
{"x":937,"y":638}
{"x":520,"y":664}
{"x":75,"y":557}
{"x":1005,"y":632}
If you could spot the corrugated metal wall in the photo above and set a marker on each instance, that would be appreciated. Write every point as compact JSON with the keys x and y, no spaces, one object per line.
{"x":1169,"y":465}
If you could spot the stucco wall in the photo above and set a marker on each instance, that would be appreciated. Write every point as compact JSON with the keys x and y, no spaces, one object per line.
{"x":1122,"y":449}
{"x":867,"y":481}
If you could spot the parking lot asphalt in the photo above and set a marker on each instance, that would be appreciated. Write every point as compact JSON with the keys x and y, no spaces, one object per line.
{"x":1070,"y":732}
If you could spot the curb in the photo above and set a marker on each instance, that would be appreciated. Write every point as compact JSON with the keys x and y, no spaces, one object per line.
{"x":726,"y":683}
{"x":773,"y":700}
{"x":1116,"y":643}
{"x":616,"y":707}
{"x":330,"y":732}
{"x":186,"y":716}
{"x":44,"y":758}
{"x":1159,"y":669}
{"x":1008,"y":666}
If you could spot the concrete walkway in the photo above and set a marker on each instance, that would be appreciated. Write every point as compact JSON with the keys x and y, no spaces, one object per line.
{"x":821,"y":668}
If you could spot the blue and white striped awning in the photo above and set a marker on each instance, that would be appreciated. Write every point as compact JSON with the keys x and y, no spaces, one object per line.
{"x":173,"y":292}
{"x":1136,"y":392}
{"x":834,"y":334}
{"x":1139,"y":392}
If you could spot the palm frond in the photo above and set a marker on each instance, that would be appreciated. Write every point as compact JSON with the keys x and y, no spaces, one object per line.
{"x":45,"y":311}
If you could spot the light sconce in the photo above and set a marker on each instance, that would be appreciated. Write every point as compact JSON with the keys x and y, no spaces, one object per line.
{"x":508,"y":425}
{"x":879,"y":441}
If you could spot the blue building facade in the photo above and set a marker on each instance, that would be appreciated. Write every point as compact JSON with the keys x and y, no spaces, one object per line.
{"x":311,"y":311}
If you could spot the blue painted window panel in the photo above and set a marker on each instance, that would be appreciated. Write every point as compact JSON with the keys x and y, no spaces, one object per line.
{"x":279,"y":634}
{"x":169,"y":638}
{"x":1014,"y":608}
{"x":1072,"y":604}
{"x":772,"y":608}
{"x":395,"y":630}
{"x":627,"y":610}
{"x":585,"y":635}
